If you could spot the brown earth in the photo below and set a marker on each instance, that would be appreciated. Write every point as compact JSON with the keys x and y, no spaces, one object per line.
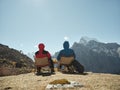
{"x":90,"y":81}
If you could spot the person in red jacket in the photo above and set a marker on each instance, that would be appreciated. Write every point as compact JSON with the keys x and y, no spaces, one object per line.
{"x":43,"y":53}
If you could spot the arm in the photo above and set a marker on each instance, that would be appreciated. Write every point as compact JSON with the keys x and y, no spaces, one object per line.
{"x":36,"y":54}
{"x":48,"y":55}
{"x":59,"y":56}
{"x":74,"y":55}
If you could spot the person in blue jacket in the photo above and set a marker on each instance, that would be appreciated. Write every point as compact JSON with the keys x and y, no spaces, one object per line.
{"x":66,"y":52}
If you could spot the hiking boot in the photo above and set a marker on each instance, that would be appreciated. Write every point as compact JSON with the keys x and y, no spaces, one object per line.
{"x":52,"y":70}
{"x":38,"y":73}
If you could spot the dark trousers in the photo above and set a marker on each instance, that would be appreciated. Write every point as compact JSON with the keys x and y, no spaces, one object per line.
{"x":51,"y":63}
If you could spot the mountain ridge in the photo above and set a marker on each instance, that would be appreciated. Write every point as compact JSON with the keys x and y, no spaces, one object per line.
{"x":14,"y":62}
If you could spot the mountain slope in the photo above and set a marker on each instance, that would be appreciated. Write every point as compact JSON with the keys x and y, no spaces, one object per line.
{"x":8,"y":55}
{"x":97,"y":56}
{"x":13,"y":61}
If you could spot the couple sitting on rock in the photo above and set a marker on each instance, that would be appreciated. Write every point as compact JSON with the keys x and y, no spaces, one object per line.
{"x":66,"y":52}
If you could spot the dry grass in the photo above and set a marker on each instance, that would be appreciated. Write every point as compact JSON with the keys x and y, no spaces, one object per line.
{"x":90,"y":81}
{"x":7,"y":71}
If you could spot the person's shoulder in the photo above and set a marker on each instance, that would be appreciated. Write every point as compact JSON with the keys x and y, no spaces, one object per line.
{"x":71,"y":50}
{"x":62,"y":50}
{"x":36,"y":52}
{"x":45,"y":52}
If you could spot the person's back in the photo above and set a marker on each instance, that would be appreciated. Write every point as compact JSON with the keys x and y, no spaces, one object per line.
{"x":43,"y":53}
{"x":66,"y":52}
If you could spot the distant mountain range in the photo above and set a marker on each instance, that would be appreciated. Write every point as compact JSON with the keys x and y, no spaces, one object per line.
{"x":97,"y":56}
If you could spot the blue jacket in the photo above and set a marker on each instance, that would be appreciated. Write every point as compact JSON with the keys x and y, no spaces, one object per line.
{"x":66,"y":52}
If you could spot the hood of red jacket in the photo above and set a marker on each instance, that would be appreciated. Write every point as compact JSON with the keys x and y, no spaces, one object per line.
{"x":41,"y":47}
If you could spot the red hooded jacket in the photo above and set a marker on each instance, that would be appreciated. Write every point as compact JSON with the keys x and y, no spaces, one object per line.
{"x":42,"y":53}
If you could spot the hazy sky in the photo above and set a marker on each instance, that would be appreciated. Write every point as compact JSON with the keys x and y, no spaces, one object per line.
{"x":26,"y":23}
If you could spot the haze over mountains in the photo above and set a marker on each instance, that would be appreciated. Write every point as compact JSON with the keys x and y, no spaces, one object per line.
{"x":97,"y":56}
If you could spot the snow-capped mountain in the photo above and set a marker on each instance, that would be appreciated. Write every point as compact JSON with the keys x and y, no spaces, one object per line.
{"x":84,"y":40}
{"x":97,"y":56}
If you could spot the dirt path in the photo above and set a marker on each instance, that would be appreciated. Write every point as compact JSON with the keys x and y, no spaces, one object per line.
{"x":91,"y":81}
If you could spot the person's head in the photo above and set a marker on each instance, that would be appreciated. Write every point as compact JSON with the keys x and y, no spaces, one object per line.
{"x":41,"y":46}
{"x":66,"y":45}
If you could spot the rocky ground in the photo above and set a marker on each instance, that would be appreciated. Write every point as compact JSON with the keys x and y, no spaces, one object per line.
{"x":90,"y":81}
